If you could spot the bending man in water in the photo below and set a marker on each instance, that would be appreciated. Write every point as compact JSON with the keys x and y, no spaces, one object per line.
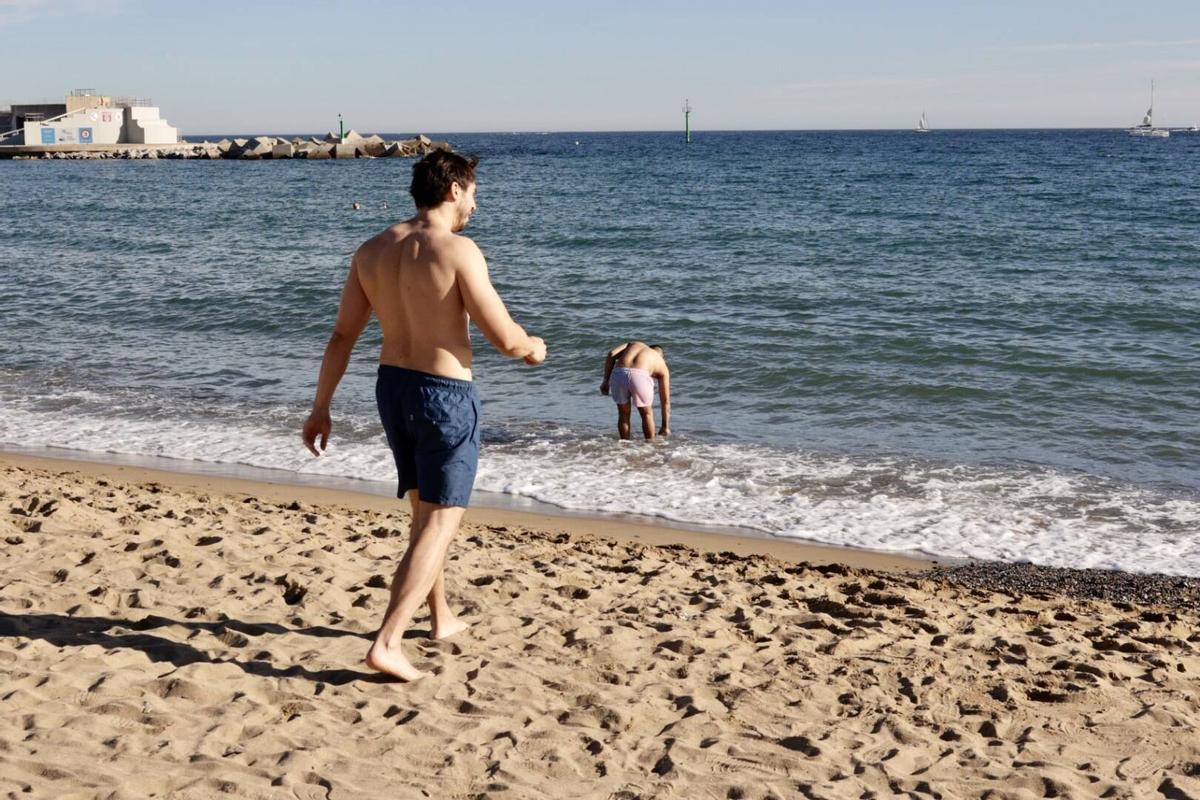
{"x":424,"y":282}
{"x":629,"y":372}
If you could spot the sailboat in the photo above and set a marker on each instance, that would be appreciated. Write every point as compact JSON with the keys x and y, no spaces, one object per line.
{"x":922,"y":125}
{"x":1146,"y":128}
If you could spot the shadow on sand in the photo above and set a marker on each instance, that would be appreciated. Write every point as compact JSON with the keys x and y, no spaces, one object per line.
{"x":65,"y":631}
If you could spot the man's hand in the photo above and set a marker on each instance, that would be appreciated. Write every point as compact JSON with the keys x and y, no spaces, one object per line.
{"x":317,"y":424}
{"x":539,"y":351}
{"x":604,"y":388}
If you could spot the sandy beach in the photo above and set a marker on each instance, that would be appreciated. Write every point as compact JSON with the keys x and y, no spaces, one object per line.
{"x":191,"y":637}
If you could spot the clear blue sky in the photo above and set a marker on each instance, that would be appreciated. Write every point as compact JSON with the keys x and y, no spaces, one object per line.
{"x":271,"y":66}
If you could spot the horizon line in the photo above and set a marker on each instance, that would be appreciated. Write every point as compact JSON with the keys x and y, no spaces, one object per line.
{"x":542,"y":132}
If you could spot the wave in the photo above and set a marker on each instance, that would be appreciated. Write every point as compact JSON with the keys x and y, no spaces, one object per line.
{"x":1014,"y":513}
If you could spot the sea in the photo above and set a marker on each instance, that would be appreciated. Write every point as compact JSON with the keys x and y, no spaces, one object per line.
{"x":966,"y":344}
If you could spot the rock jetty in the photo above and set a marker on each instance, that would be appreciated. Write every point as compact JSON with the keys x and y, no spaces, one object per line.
{"x":352,"y":145}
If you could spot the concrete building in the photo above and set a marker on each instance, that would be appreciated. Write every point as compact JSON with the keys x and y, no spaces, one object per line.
{"x":87,"y":118}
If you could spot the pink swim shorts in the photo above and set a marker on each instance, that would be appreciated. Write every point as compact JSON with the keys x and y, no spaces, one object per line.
{"x":636,"y":384}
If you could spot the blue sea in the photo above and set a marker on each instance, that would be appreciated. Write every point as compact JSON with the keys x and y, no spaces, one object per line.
{"x":975,"y":344}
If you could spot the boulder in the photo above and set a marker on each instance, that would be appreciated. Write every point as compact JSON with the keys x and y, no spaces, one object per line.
{"x":318,"y":152}
{"x":346,"y":151}
{"x":223,"y":146}
{"x":423,"y":139}
{"x":332,"y":137}
{"x":236,"y":148}
{"x":373,"y":148}
{"x":283,"y":150}
{"x":441,"y":146}
{"x":352,"y":136}
{"x":260,"y":146}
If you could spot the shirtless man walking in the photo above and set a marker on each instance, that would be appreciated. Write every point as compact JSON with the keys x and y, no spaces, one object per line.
{"x":629,"y":372}
{"x":424,"y":282}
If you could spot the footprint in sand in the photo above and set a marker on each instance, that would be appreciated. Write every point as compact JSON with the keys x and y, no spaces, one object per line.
{"x":801,"y":744}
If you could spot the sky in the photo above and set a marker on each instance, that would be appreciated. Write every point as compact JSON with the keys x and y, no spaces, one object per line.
{"x":266,"y":66}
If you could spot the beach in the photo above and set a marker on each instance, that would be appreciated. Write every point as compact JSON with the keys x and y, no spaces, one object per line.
{"x":906,"y":301}
{"x":190,"y":636}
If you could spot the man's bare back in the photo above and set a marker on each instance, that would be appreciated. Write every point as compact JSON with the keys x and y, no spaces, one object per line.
{"x":425,"y":283}
{"x":409,"y":274}
{"x":639,"y":355}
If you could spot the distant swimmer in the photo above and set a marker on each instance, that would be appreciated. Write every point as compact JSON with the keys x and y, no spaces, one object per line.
{"x":384,"y":204}
{"x":424,"y":283}
{"x":355,"y":205}
{"x":630,"y":370}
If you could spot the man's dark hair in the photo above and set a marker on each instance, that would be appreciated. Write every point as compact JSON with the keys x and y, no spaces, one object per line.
{"x":659,"y":348}
{"x":434,"y":174}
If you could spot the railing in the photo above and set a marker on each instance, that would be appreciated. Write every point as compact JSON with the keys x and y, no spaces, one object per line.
{"x":136,"y":102}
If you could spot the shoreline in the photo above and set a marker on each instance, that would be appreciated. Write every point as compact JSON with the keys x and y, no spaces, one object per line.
{"x":636,"y":530}
{"x":1015,"y":579}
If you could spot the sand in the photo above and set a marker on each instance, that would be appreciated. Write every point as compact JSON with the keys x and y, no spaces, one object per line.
{"x":189,"y":637}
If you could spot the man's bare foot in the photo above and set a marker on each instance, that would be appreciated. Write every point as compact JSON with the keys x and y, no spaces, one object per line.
{"x":393,"y":663}
{"x":445,"y":631}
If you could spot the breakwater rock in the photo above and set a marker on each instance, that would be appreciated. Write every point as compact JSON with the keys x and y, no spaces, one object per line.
{"x":352,"y":145}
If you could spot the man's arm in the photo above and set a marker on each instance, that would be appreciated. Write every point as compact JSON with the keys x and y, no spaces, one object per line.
{"x":609,"y":362}
{"x":353,"y":313}
{"x":488,"y":311}
{"x":664,"y":398}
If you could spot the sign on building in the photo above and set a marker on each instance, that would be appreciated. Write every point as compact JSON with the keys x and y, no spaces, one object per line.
{"x":47,"y":135}
{"x":85,"y":135}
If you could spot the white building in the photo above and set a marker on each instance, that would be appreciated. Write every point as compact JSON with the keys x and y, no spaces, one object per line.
{"x":95,"y":119}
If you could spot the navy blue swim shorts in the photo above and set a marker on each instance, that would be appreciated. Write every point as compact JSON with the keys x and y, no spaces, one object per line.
{"x":432,"y":426}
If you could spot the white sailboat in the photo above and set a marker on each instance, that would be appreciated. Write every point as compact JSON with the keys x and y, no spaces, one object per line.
{"x":1146,"y":128}
{"x":922,"y":125}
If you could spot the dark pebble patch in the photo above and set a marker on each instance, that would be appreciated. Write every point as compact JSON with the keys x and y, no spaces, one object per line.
{"x":1079,"y":584}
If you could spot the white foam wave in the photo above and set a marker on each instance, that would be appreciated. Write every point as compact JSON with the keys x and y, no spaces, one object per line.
{"x":1035,"y":515}
{"x":1040,"y":516}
